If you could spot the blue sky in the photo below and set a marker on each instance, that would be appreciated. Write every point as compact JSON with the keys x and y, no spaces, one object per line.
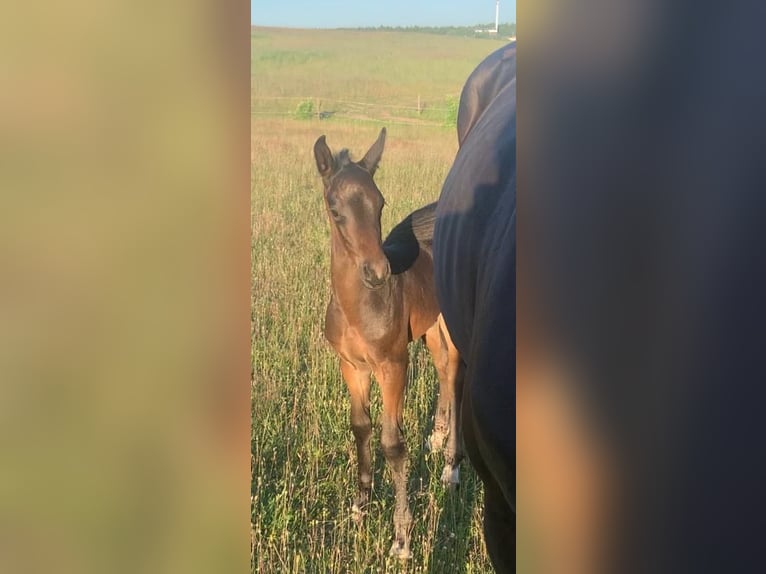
{"x":353,"y":13}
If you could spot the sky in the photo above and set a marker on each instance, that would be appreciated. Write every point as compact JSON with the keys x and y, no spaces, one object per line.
{"x":363,"y":13}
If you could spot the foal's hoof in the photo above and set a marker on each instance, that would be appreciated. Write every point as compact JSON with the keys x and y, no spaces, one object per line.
{"x":451,"y":477}
{"x":356,"y":513}
{"x":400,"y":550}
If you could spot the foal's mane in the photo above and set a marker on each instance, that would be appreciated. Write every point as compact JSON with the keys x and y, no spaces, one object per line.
{"x":408,"y":237}
{"x":342,"y":159}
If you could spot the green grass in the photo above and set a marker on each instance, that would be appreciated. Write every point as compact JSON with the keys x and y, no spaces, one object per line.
{"x":304,"y":467}
{"x":391,"y":76}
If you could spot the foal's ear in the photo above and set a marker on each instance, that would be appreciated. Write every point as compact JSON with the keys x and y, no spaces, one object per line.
{"x":372,"y":158}
{"x":323,"y":157}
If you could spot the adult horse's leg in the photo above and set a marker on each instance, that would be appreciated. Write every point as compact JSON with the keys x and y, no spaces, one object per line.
{"x":358,"y":382}
{"x":499,"y":515}
{"x":499,"y":529}
{"x":392,"y":376}
{"x":447,"y":417}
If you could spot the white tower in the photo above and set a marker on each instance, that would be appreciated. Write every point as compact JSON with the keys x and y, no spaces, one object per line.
{"x":497,"y":15}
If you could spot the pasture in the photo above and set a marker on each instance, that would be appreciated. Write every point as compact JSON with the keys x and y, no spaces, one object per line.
{"x":304,"y":473}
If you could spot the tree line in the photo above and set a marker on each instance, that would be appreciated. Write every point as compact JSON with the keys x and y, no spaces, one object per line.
{"x":507,"y":29}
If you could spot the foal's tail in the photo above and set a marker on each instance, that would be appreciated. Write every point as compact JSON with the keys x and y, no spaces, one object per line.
{"x":411,"y":235}
{"x":418,"y":225}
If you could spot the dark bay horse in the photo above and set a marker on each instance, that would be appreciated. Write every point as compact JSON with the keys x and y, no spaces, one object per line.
{"x":475,"y":272}
{"x":382,"y":298}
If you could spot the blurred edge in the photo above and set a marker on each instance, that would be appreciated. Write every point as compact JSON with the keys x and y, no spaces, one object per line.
{"x":640,"y":424}
{"x":124,"y":291}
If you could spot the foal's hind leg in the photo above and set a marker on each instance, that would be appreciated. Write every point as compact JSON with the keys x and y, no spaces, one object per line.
{"x":439,"y":354}
{"x":447,"y":418}
{"x":358,"y":382}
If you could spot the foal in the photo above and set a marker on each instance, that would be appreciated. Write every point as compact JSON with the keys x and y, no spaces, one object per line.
{"x":382,"y":298}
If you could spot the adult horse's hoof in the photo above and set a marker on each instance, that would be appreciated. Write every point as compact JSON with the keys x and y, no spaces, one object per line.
{"x":400,"y":550}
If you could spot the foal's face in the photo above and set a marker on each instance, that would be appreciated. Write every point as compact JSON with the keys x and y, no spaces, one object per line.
{"x":354,"y":205}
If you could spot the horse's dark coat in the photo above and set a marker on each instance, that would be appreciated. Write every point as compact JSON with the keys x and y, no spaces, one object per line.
{"x":485,"y":82}
{"x":475,"y":272}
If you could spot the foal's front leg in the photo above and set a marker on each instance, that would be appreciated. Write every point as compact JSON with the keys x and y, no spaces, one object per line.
{"x":392,"y":377}
{"x":358,"y":383}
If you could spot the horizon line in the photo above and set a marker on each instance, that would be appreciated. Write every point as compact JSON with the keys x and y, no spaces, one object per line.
{"x":277,"y":27}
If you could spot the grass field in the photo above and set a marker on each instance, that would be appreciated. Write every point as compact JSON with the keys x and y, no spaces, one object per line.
{"x":304,"y":472}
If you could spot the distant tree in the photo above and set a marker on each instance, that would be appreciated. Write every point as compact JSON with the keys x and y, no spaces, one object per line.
{"x":305,"y":110}
{"x":507,"y":29}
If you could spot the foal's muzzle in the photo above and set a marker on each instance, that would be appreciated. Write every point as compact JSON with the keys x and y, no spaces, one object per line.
{"x":375,"y":275}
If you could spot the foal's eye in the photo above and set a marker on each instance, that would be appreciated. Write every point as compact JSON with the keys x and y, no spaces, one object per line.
{"x":334,"y":213}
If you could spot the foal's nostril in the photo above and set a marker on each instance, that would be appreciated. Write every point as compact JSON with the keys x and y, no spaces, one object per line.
{"x":375,"y":275}
{"x":386,"y":270}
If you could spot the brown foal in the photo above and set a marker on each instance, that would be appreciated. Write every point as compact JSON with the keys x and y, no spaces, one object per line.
{"x":382,"y":298}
